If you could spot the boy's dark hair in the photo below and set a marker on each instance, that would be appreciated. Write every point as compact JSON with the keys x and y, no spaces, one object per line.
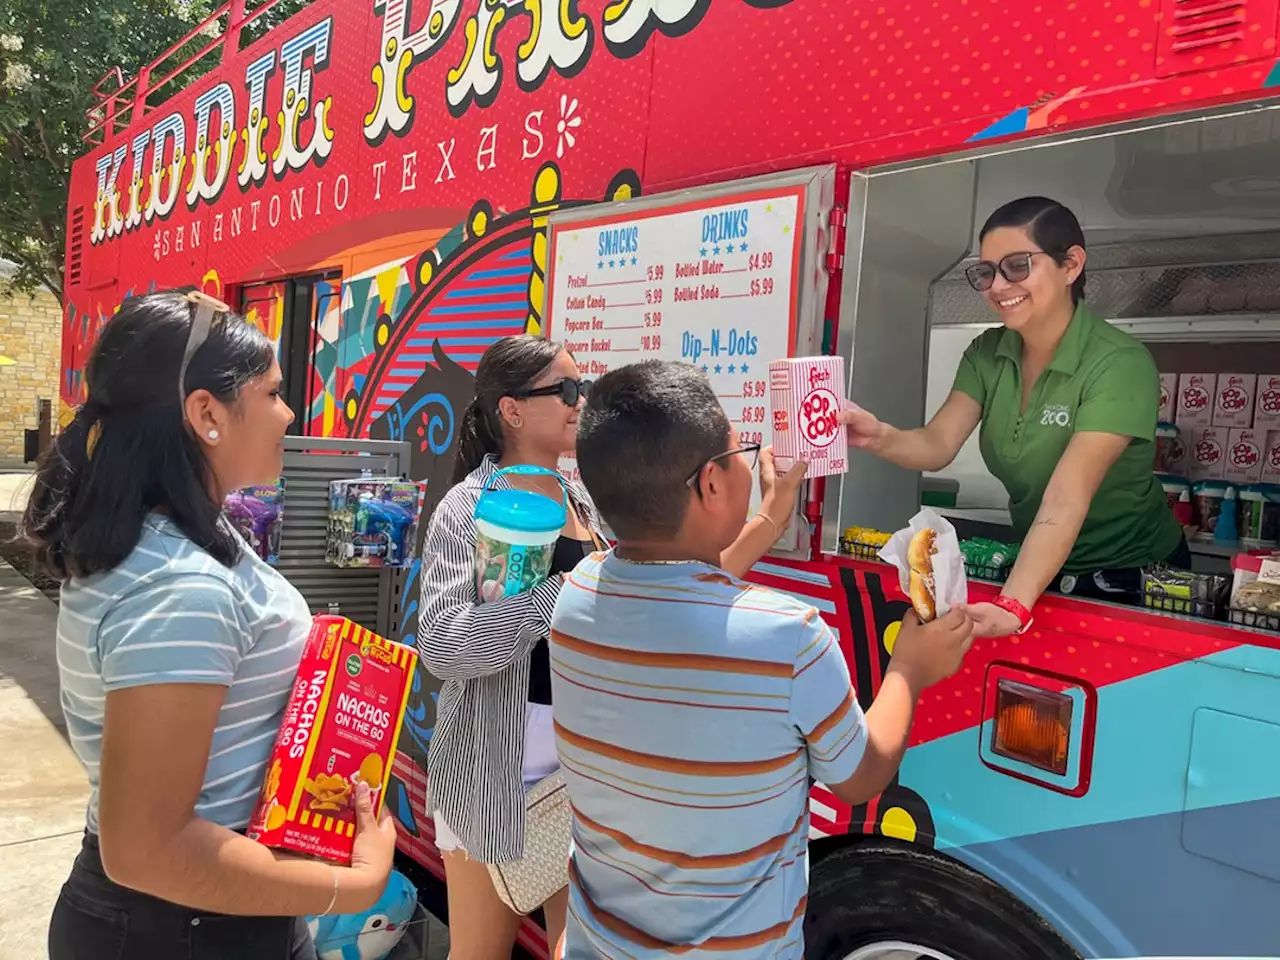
{"x":646,"y":428}
{"x":129,"y":450}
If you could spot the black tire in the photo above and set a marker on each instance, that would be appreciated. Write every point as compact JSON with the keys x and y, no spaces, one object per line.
{"x":880,"y":890}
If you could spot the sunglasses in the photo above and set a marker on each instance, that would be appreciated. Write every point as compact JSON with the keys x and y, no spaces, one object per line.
{"x":569,"y":391}
{"x":749,"y":450}
{"x":203,"y":309}
{"x":1014,"y":267}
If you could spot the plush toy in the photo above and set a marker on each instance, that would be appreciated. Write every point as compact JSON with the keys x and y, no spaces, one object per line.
{"x":371,"y":935}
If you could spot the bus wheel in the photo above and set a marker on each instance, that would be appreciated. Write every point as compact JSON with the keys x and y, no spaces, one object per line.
{"x":881,"y":899}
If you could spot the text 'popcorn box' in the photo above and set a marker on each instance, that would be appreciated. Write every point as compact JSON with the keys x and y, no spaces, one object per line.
{"x":1207,"y":453}
{"x":1233,"y":400}
{"x":1266,"y":407}
{"x":1245,"y":449}
{"x":1196,"y":392}
{"x":806,"y":397}
{"x":1271,"y":458}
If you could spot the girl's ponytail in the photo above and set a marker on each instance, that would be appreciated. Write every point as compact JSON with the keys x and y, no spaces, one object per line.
{"x":46,"y":522}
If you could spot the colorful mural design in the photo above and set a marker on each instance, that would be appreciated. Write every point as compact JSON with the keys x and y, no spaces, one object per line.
{"x":326,"y":327}
{"x":1026,"y":119}
{"x":1089,"y":863}
{"x":262,"y":304}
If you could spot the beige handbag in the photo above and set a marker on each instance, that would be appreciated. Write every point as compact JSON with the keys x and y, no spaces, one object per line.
{"x":543,"y":870}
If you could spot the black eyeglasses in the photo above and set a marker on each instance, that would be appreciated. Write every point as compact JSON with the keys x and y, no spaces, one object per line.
{"x":569,"y":391}
{"x":749,"y":450}
{"x":1014,"y":267}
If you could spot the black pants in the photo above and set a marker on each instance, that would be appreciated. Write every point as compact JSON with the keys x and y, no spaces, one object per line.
{"x":1119,"y":586}
{"x":97,"y":919}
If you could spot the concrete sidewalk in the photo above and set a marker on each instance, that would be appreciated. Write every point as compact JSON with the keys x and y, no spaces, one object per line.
{"x":15,"y":488}
{"x":44,"y":790}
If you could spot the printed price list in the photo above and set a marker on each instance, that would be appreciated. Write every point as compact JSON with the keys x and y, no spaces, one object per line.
{"x":712,"y":286}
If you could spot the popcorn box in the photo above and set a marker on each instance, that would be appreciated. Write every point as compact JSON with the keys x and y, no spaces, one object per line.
{"x":1266,"y":407}
{"x":1177,"y":460}
{"x":1196,"y":392}
{"x":1168,"y":396}
{"x":1271,"y":458}
{"x":340,"y":726}
{"x":1244,"y":456}
{"x":1233,"y":400}
{"x":805,"y":397}
{"x":1207,"y":453}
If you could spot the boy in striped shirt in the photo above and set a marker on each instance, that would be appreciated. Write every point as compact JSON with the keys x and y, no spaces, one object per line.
{"x":692,"y":709}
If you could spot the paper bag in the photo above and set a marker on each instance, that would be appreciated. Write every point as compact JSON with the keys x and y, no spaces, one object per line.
{"x":950,"y":585}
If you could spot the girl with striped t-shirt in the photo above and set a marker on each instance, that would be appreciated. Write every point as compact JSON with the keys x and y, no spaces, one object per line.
{"x":177,"y":648}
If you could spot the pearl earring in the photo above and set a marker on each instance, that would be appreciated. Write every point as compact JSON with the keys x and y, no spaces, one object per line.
{"x":213,"y":434}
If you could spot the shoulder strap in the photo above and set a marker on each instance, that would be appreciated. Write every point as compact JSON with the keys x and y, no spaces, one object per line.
{"x":584,"y":518}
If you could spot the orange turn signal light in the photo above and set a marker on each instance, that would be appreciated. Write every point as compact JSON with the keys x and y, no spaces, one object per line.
{"x":1032,"y":726}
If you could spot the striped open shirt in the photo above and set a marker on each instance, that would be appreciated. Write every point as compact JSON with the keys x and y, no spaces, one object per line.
{"x":170,"y":613}
{"x":481,"y":652}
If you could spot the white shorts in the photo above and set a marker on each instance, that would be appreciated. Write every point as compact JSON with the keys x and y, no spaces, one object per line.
{"x":540,"y":761}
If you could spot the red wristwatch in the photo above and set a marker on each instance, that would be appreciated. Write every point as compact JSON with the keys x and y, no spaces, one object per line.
{"x":1017,"y":609}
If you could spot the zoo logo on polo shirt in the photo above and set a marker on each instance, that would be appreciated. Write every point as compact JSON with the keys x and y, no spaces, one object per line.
{"x":1055,"y":415}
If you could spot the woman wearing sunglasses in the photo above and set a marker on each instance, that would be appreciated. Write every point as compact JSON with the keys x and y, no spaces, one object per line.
{"x":494,"y":737}
{"x":177,"y":648}
{"x":1067,"y":406}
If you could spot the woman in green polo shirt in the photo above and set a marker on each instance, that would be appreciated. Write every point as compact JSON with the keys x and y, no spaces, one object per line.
{"x":1067,"y":406}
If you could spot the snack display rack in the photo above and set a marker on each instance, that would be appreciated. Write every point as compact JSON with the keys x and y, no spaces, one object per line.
{"x":991,"y":574}
{"x":1206,"y":602}
{"x":1255,"y":621}
{"x":370,"y":597}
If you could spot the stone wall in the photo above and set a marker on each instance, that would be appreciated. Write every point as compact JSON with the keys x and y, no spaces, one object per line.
{"x":31,"y":336}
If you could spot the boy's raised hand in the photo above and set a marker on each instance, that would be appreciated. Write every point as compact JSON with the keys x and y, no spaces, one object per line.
{"x":779,"y":490}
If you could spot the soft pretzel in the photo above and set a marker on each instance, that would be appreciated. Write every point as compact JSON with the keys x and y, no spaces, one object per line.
{"x":920,"y":580}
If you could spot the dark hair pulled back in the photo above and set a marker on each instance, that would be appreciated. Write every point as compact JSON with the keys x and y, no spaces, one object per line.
{"x":129,"y":450}
{"x":509,"y":365}
{"x":1052,"y":226}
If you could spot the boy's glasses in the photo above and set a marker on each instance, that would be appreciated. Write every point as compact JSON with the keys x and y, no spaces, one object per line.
{"x":569,"y":391}
{"x":750,"y":450}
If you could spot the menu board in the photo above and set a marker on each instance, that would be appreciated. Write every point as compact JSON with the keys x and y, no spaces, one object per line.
{"x":709,"y":282}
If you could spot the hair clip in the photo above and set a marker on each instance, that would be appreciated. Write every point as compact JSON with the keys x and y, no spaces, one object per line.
{"x":202,"y":299}
{"x":204,"y":309}
{"x":91,"y":438}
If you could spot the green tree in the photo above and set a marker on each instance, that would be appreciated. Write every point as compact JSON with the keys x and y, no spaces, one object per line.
{"x":52,"y":53}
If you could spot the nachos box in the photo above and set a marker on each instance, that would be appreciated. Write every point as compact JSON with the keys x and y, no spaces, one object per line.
{"x":340,"y":727}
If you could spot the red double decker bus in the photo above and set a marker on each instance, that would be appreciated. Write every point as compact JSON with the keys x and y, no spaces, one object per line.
{"x":387,"y":187}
